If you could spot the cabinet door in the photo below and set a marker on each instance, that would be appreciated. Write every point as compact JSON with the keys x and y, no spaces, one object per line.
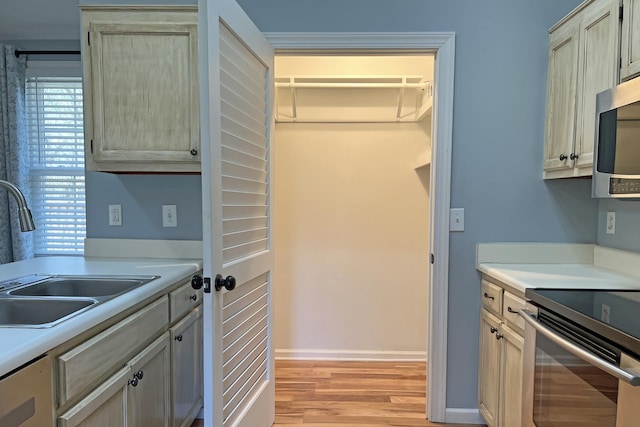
{"x":106,"y":406}
{"x":186,"y":369}
{"x":511,"y":378}
{"x":489,"y":368}
{"x":149,"y":388}
{"x":143,"y":95}
{"x":597,"y":65}
{"x":561,"y":97}
{"x":630,"y":51}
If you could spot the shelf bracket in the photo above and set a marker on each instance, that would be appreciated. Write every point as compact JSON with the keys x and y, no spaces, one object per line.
{"x":400,"y":99}
{"x":293,"y":99}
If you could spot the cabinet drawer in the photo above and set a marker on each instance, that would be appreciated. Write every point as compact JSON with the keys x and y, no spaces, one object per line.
{"x":182,"y":300}
{"x":491,"y":297}
{"x":81,"y":367}
{"x":510,"y":306}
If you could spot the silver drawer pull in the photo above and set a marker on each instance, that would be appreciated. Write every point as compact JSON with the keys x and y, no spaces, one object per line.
{"x":609,"y":368}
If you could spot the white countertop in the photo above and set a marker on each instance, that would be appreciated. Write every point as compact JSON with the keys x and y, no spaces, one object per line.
{"x":541,"y":265}
{"x":571,"y":276}
{"x":20,"y":345}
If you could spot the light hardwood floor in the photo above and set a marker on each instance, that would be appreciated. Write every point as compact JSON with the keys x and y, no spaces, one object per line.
{"x":350,"y":394}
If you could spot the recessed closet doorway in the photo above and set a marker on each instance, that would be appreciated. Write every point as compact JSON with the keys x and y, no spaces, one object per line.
{"x":351,"y":156}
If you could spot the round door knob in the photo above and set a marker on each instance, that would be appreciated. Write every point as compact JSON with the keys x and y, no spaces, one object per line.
{"x":499,"y":336}
{"x":194,"y":152}
{"x":573,"y":156}
{"x":229,"y":283}
{"x":133,"y":381}
{"x":179,"y":338}
{"x":197,"y":281}
{"x":493,"y":330}
{"x":563,"y":157}
{"x":139,"y":375}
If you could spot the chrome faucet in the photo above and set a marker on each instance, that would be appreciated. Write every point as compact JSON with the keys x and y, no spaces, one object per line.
{"x":24,"y":214}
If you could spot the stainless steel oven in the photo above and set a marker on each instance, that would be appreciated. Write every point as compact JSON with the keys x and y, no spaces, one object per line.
{"x":580,"y":370}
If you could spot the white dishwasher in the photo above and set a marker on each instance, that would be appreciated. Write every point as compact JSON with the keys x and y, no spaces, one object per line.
{"x":26,"y":396}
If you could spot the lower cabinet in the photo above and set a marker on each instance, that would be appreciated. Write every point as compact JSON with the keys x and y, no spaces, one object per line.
{"x":111,"y":379}
{"x":500,"y":358}
{"x":136,"y":395}
{"x":489,"y":368}
{"x":186,"y":375}
{"x":511,"y":374}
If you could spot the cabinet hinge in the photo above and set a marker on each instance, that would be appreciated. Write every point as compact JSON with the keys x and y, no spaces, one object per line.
{"x":89,"y":38}
{"x":433,"y":259}
{"x":207,"y":285}
{"x":92,"y":146}
{"x":621,"y":12}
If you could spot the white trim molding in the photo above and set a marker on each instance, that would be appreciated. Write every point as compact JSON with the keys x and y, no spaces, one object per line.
{"x":443,"y":45}
{"x":351,"y":355}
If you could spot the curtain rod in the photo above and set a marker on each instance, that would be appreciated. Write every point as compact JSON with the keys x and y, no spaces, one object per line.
{"x":46,"y":52}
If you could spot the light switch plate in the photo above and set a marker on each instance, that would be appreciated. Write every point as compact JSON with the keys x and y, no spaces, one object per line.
{"x":611,"y":223}
{"x":115,"y":215}
{"x":169,"y":216}
{"x":456,"y":219}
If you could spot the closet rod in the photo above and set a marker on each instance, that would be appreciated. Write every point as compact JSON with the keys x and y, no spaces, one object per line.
{"x":46,"y":52}
{"x":354,"y":85}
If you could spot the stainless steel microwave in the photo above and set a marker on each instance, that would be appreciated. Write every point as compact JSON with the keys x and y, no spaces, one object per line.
{"x":616,"y":160}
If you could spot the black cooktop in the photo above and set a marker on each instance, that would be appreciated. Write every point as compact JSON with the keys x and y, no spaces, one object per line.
{"x":612,"y":314}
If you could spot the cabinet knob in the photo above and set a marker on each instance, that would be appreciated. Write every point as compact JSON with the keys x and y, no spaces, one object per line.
{"x":493,"y":330}
{"x":133,"y":382}
{"x":563,"y":157}
{"x":139,"y":375}
{"x":193,"y":297}
{"x":499,"y":336}
{"x":178,"y":338}
{"x":573,"y":156}
{"x":194,"y":152}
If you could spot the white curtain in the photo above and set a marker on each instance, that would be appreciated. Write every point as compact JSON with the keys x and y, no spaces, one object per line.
{"x":14,"y":245}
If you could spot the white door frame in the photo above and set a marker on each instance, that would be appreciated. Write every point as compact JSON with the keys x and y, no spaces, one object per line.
{"x":443,"y":44}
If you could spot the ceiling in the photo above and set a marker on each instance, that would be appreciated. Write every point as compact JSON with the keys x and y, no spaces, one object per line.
{"x":39,"y":20}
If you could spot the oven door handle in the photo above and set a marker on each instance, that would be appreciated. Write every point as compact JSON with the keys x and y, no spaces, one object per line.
{"x":577,"y":351}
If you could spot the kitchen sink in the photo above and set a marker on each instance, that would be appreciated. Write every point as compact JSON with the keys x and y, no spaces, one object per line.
{"x":40,"y":301}
{"x":40,"y":312}
{"x":83,"y":286}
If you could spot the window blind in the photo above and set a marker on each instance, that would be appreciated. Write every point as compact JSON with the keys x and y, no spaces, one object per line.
{"x":56,"y":157}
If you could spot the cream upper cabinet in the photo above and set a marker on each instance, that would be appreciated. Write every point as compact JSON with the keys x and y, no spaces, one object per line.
{"x":583,"y":60}
{"x":630,"y":51}
{"x":141,"y":96}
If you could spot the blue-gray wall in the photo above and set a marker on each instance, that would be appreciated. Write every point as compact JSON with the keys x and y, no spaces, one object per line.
{"x":500,"y":83}
{"x":627,"y":235}
{"x":141,"y":198}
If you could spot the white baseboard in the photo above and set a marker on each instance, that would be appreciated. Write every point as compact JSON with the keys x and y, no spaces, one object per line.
{"x":463,"y":416}
{"x":364,"y":355}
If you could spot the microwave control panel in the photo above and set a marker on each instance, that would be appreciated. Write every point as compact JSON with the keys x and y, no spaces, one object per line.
{"x":624,"y":186}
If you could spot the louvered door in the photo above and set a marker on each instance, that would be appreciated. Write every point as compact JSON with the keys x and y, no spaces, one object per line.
{"x":239,"y":383}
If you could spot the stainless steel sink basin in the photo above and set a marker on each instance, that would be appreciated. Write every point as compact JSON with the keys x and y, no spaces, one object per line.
{"x":93,"y":287}
{"x":40,"y":312}
{"x":39,"y":301}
